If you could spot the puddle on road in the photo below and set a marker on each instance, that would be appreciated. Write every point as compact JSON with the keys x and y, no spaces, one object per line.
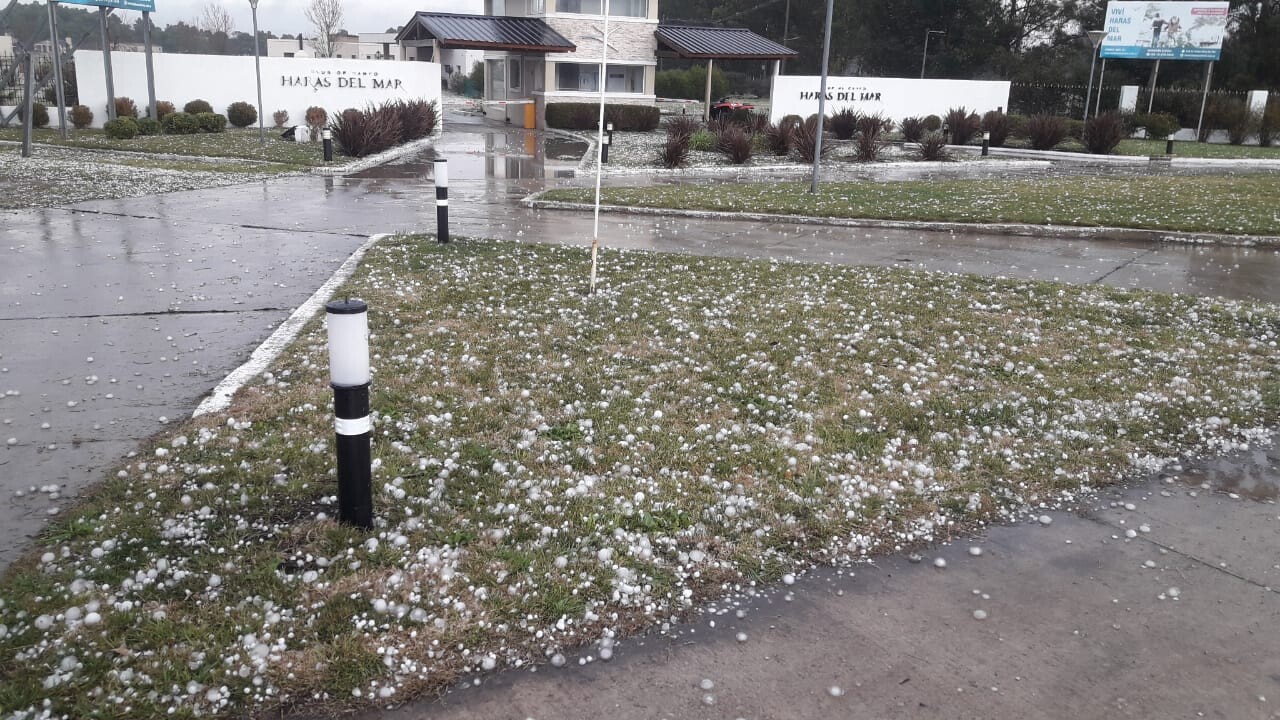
{"x":490,"y":153}
{"x":1254,"y":474}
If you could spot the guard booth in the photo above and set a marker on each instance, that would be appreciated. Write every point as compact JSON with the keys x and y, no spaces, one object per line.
{"x":717,"y":43}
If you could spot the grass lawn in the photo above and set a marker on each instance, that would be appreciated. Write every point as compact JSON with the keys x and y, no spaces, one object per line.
{"x":1199,"y":150}
{"x":1237,"y":205}
{"x":554,"y":470}
{"x":234,"y":143}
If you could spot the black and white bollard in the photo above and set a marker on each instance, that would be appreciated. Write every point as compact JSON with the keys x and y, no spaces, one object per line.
{"x":327,"y":136}
{"x":1168,"y":147}
{"x":986,"y":144}
{"x":609,"y":129}
{"x":607,"y":140}
{"x":348,"y":322}
{"x":442,"y":200}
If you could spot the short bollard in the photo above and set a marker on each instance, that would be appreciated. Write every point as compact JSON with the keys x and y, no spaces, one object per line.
{"x":986,"y":144}
{"x":348,"y":322}
{"x":327,"y":136}
{"x":609,"y":129}
{"x":604,"y":149}
{"x":442,"y":200}
{"x":1168,"y":147}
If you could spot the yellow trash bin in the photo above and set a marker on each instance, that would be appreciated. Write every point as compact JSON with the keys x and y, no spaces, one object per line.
{"x":530,"y":116}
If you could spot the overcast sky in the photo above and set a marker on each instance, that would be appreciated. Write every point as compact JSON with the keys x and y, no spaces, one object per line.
{"x":286,"y":16}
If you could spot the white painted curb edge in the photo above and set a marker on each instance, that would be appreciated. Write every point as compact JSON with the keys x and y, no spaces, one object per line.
{"x":270,"y":349}
{"x":381,"y":158}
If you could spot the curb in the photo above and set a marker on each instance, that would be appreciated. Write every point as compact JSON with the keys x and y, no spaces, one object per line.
{"x":1066,"y":232}
{"x":266,"y":353}
{"x":381,"y":158}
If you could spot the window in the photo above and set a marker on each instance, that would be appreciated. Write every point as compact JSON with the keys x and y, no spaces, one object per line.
{"x":513,"y":73}
{"x":617,"y":8}
{"x":584,"y":77}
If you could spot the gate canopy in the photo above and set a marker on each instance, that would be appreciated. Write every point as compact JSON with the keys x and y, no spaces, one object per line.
{"x":482,"y":32}
{"x":718,"y":43}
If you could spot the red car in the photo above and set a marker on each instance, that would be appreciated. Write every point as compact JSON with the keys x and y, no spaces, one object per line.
{"x":724,"y":106}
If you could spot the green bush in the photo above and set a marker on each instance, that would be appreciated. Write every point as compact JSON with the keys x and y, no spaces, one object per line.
{"x":1269,"y":128}
{"x":211,"y":122}
{"x":180,"y":123}
{"x":691,"y":83}
{"x":703,"y":141}
{"x":242,"y":114}
{"x":1018,"y":125}
{"x":585,"y":116}
{"x":195,"y":107}
{"x":126,"y":107}
{"x":122,"y":128}
{"x":1158,"y":125}
{"x":932,"y":123}
{"x":39,"y":115}
{"x":81,"y":116}
{"x":147,"y":126}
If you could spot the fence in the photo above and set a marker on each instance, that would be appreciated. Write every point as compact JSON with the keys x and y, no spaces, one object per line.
{"x":13,"y":81}
{"x":1062,"y":100}
{"x":1184,"y":104}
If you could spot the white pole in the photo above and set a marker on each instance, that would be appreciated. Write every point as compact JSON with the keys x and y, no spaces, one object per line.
{"x":1204,"y":99}
{"x":822,"y":100}
{"x":604,"y":80}
{"x":257,"y":70}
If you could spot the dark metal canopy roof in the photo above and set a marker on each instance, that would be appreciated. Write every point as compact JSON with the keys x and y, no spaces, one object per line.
{"x":719,"y":43}
{"x":484,"y":32}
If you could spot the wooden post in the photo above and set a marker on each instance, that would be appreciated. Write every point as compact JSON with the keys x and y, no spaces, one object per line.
{"x":106,"y":63}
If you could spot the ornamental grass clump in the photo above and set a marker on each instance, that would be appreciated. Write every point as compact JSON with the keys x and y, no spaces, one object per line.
{"x":998,"y":124}
{"x":418,"y":119}
{"x":933,"y":147}
{"x":673,"y":154}
{"x":844,"y":124}
{"x":1103,"y":133}
{"x":1045,"y":132}
{"x":962,"y":125}
{"x":912,"y":129}
{"x":780,"y":138}
{"x":368,"y":132}
{"x":870,"y":142}
{"x":805,"y":141}
{"x":736,"y":144}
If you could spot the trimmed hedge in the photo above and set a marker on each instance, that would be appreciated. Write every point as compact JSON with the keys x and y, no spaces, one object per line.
{"x":195,"y":107}
{"x":584,"y":116}
{"x":147,"y":126}
{"x":242,"y":114}
{"x":211,"y":122}
{"x":39,"y":115}
{"x":122,"y":128}
{"x":180,"y":123}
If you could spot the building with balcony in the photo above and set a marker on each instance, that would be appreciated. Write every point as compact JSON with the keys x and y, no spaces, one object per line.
{"x":546,"y":51}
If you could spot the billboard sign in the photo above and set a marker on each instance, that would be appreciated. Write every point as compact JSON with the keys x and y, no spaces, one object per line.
{"x":1165,"y":30}
{"x":142,"y":5}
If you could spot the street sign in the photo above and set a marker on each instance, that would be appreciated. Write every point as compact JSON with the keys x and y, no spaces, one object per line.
{"x":142,"y":5}
{"x":1165,"y":30}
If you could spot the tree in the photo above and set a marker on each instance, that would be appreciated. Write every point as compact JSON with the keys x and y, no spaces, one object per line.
{"x":326,"y":17}
{"x":217,"y":21}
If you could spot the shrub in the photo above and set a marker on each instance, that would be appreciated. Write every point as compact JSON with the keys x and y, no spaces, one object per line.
{"x":912,"y":128}
{"x":418,"y":118}
{"x":1103,"y":133}
{"x":1046,"y":131}
{"x":844,"y":124}
{"x":125,"y":107}
{"x":806,"y":141}
{"x":122,"y":128}
{"x":211,"y":122}
{"x":779,"y":138}
{"x":147,"y":126}
{"x":1269,"y":128}
{"x":703,"y":141}
{"x":962,"y":125}
{"x":316,"y":118}
{"x":1075,"y":129}
{"x":869,"y":146}
{"x":996,"y":123}
{"x":81,"y":116}
{"x":280,"y":117}
{"x":685,"y":125}
{"x":690,"y":83}
{"x":933,"y":146}
{"x":1235,"y":117}
{"x":932,"y":123}
{"x":164,"y":109}
{"x":1018,"y":125}
{"x":1158,"y":125}
{"x":195,"y":107}
{"x":180,"y":123}
{"x":584,"y":116}
{"x":873,"y":124}
{"x":674,"y":153}
{"x":734,"y":142}
{"x":242,"y":114}
{"x":368,"y":132}
{"x":39,"y":114}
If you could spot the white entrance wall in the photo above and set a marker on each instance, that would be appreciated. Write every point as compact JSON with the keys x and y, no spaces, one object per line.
{"x":894,"y":98}
{"x":292,"y":84}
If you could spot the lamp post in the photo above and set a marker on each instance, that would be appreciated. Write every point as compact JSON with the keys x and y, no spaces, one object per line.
{"x":1095,"y":40}
{"x":925,"y":59}
{"x":257,"y":70}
